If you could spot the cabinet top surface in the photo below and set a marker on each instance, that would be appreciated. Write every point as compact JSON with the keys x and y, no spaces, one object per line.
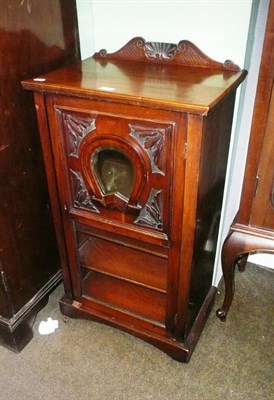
{"x":162,"y":85}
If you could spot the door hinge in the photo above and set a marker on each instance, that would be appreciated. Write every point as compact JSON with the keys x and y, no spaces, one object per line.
{"x":4,"y":281}
{"x":175,"y":319}
{"x":256,"y":185}
{"x":185,"y":151}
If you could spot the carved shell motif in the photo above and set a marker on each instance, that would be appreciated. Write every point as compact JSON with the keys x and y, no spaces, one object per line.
{"x":162,"y":51}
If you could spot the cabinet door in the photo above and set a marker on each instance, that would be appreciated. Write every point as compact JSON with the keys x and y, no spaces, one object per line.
{"x":262,"y":214}
{"x":115,"y":173}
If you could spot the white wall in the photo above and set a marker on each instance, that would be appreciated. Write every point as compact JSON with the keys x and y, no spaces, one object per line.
{"x":86,"y":27}
{"x":219,"y":27}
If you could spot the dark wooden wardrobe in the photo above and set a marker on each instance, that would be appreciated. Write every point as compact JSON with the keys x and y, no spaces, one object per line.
{"x":35,"y":37}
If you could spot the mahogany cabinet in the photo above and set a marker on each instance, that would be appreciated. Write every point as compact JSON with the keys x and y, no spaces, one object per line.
{"x":253,"y":228}
{"x":136,"y":145}
{"x":35,"y":37}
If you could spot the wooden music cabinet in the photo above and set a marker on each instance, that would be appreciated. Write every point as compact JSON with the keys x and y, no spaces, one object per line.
{"x":35,"y":37}
{"x":136,"y":144}
{"x":253,"y":228}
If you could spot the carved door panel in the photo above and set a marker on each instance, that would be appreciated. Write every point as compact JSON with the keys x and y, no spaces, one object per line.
{"x":262,"y":214}
{"x":117,"y":168}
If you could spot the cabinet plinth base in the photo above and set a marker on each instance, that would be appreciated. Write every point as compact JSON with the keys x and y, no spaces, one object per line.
{"x":16,"y":333}
{"x":179,"y":351}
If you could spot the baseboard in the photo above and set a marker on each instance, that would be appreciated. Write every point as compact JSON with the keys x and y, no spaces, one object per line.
{"x":179,"y":351}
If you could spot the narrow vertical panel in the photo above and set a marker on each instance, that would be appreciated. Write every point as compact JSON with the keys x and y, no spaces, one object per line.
{"x":194,"y":139}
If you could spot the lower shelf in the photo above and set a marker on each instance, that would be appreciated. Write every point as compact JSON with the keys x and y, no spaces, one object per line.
{"x":161,"y":338}
{"x":142,"y":301}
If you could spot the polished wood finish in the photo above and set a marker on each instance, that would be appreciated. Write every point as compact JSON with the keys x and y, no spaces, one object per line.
{"x":253,"y":228}
{"x":35,"y":37}
{"x":141,"y":262}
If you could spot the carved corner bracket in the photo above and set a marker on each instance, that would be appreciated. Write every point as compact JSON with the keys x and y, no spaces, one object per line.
{"x":185,"y":53}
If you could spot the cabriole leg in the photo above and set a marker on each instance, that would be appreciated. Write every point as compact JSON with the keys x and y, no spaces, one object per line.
{"x":236,"y":248}
{"x":231,"y":255}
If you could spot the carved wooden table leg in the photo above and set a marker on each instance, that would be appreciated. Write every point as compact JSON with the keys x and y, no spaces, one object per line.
{"x":229,"y":259}
{"x":236,"y":248}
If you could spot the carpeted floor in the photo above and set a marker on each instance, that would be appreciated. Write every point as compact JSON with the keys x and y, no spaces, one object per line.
{"x":84,"y":360}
